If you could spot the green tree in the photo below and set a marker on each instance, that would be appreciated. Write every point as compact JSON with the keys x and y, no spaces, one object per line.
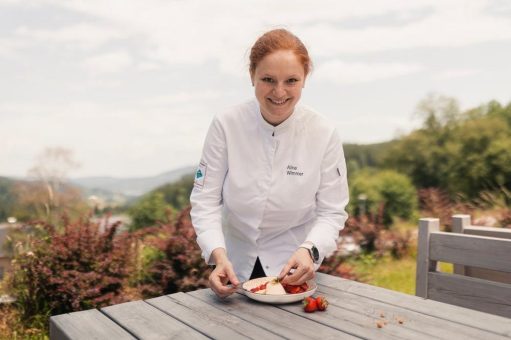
{"x":371,"y":190}
{"x":462,"y":153}
{"x":177,"y":194}
{"x":150,"y":210}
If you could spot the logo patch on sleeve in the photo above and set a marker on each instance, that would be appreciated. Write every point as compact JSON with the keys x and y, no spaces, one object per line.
{"x":200,"y":175}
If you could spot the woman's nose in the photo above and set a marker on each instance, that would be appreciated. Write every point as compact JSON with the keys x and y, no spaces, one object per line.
{"x":279,"y":90}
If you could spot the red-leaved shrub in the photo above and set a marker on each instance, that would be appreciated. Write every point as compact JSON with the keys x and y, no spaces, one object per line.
{"x":76,"y":268}
{"x":437,"y":203}
{"x":180,"y":268}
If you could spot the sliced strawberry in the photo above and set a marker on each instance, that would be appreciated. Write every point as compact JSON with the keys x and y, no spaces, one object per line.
{"x":260,"y":287}
{"x":294,"y":289}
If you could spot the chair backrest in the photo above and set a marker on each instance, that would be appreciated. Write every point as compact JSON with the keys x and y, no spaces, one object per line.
{"x":462,"y":224}
{"x":469,"y":250}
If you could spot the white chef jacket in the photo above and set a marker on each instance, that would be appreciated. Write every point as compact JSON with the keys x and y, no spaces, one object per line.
{"x":262,"y":190}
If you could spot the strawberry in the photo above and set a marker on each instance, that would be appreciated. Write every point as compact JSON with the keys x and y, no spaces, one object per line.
{"x":310,"y":305}
{"x":260,"y":287}
{"x":322,"y":303}
{"x":293,"y":289}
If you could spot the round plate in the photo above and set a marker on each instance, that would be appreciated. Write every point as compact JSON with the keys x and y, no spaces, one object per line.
{"x":276,"y":299}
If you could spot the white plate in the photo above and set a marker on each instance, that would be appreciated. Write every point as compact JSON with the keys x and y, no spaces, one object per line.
{"x":276,"y":299}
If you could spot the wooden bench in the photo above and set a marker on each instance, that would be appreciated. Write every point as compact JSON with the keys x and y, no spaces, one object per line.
{"x":468,"y":250}
{"x":462,"y":224}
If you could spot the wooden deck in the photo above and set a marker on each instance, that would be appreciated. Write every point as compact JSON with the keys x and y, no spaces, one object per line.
{"x":356,"y":311}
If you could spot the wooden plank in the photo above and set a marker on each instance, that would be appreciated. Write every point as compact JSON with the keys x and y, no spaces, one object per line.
{"x":147,"y":322}
{"x":478,"y":251}
{"x":86,"y":325}
{"x":462,"y":224}
{"x":487,"y":274}
{"x":271,"y":318}
{"x":459,"y":223}
{"x":207,"y":319}
{"x":470,"y":318}
{"x":469,"y":292}
{"x":424,"y":265}
{"x":425,"y":326}
{"x":488,"y":231}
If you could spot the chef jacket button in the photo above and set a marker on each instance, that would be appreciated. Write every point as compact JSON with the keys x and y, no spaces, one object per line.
{"x":267,"y":267}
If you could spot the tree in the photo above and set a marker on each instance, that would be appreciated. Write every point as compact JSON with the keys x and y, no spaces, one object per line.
{"x":150,"y":210}
{"x":463,"y":153}
{"x":49,"y":192}
{"x":157,"y":205}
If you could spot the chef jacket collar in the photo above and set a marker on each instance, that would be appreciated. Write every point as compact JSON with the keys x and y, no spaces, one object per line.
{"x":282,"y":127}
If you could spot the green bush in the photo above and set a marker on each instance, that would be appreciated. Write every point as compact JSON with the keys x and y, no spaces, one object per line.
{"x":150,"y":210}
{"x":372,"y":190}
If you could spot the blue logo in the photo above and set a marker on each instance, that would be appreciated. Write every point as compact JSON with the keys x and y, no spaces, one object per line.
{"x":198,"y":174}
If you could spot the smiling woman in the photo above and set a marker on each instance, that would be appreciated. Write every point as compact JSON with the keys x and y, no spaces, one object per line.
{"x":271,"y":188}
{"x":279,"y":64}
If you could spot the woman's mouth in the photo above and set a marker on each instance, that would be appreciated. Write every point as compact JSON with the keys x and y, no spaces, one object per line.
{"x":278,"y":102}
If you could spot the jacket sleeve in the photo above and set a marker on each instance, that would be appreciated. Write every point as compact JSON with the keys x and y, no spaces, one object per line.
{"x":331,"y":199}
{"x":206,"y":196}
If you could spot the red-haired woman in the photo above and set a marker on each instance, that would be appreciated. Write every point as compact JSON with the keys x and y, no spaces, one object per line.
{"x":270,"y":192}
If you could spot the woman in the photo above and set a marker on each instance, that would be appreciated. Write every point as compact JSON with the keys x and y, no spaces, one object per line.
{"x":270,"y":191}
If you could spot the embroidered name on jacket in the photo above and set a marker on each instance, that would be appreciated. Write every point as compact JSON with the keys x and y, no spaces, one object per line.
{"x":293,"y":171}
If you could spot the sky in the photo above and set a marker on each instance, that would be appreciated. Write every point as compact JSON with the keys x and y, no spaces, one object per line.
{"x":130,"y":87}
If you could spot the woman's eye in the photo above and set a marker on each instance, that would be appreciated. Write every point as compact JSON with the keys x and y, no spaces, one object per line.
{"x":292,"y":81}
{"x":268,"y":80}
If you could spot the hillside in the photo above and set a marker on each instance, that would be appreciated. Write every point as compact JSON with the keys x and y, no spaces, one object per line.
{"x":135,"y":186}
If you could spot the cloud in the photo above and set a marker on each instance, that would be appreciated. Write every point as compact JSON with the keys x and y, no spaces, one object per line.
{"x":340,"y":72}
{"x":113,"y":139}
{"x":186,"y":32}
{"x":452,"y":24}
{"x":82,"y":35}
{"x":456,"y":73}
{"x":9,"y":46}
{"x":111,"y":62}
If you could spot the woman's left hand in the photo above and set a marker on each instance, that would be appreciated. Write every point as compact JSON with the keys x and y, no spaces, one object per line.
{"x":303,"y":266}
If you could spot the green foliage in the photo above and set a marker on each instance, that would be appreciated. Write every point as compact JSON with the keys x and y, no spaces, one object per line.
{"x":158,"y":205}
{"x":177,"y":194}
{"x":150,"y":210}
{"x":6,"y":202}
{"x":361,"y":156}
{"x":464,"y":153}
{"x":386,"y":188}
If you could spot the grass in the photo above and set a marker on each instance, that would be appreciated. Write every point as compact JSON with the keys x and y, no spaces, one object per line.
{"x":390,"y":273}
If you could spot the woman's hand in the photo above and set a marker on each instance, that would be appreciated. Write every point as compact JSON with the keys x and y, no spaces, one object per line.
{"x":222,"y":274}
{"x":303,"y":266}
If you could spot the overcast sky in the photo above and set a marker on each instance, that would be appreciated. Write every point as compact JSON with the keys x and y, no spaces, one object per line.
{"x":131,"y":86}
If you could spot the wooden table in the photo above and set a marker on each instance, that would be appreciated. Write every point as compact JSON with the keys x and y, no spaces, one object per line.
{"x":356,"y":311}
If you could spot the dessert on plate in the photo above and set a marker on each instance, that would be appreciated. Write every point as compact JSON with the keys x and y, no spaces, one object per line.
{"x":274,"y":287}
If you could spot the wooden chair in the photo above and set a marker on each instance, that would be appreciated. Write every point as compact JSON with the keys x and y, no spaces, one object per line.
{"x":462,"y":224}
{"x":468,"y":250}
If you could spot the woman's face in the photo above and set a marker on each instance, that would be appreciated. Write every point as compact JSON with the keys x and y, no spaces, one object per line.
{"x":278,"y":80}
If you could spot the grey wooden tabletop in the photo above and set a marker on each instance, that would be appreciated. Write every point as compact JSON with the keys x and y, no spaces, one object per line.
{"x":356,"y":311}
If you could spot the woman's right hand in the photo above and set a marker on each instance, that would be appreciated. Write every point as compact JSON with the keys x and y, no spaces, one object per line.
{"x":222,"y":274}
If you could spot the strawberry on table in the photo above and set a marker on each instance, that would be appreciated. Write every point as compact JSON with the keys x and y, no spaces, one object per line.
{"x":310,"y":305}
{"x":322,"y":303}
